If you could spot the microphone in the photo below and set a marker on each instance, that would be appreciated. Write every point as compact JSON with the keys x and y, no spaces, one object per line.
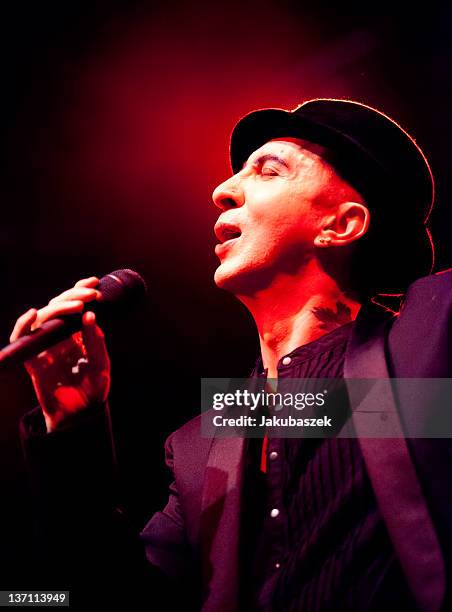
{"x":121,"y":290}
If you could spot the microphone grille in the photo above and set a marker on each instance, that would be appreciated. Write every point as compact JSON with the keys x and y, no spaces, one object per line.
{"x":122,"y":287}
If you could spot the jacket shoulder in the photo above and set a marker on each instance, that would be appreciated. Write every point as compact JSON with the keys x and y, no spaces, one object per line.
{"x":190,"y":433}
{"x":419,"y":340}
{"x":440,"y":281}
{"x":187,"y":450}
{"x":431,"y":295}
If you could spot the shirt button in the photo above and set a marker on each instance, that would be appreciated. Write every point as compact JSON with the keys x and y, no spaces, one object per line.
{"x":273,"y":455}
{"x":274,"y":513}
{"x":286,"y":360}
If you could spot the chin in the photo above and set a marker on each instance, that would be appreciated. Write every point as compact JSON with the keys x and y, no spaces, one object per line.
{"x":225,"y":279}
{"x":243,"y":281}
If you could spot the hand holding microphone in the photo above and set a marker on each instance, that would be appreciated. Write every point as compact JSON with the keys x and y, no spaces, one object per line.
{"x":70,"y":369}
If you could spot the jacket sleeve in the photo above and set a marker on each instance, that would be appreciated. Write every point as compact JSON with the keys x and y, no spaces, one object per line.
{"x":84,"y":539}
{"x":164,"y":536}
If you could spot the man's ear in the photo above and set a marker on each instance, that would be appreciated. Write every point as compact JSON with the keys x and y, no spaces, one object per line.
{"x":349,"y":222}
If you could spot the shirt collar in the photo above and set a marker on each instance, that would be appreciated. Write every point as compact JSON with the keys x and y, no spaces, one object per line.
{"x":308,"y":350}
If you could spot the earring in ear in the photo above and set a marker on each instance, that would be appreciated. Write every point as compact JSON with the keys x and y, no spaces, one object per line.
{"x":324,"y":240}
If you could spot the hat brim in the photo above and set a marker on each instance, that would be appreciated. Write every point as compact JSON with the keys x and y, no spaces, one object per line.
{"x":258,"y":127}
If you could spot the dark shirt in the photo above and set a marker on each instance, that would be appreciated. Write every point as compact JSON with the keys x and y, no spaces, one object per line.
{"x":312,"y":536}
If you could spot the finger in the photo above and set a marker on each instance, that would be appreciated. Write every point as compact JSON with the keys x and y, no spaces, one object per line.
{"x":92,"y":281}
{"x":77,"y":293}
{"x":23,"y":324}
{"x":55,"y":310}
{"x":94,"y":341}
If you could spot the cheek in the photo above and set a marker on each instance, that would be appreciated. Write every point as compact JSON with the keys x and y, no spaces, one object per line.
{"x":274,"y":242}
{"x":274,"y":222}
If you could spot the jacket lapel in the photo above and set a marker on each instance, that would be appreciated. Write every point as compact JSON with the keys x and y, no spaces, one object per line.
{"x":389,"y":465}
{"x":220,"y":524}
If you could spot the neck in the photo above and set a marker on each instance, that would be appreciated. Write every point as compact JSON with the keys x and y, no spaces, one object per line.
{"x":294,"y":310}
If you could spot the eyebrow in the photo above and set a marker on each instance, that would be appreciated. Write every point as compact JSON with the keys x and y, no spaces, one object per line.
{"x":269,"y":157}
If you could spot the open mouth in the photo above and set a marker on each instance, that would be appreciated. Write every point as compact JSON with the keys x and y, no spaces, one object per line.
{"x":231,"y":235}
{"x":226,"y":232}
{"x":228,"y":235}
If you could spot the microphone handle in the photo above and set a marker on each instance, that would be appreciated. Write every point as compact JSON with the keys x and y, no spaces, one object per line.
{"x":47,"y":335}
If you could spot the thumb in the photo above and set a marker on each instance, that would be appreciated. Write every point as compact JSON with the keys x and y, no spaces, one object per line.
{"x":94,"y":341}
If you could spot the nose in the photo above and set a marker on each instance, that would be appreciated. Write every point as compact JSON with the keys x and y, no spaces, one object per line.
{"x":229,"y":194}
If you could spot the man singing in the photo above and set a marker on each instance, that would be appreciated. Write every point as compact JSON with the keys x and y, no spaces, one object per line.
{"x":325,"y":210}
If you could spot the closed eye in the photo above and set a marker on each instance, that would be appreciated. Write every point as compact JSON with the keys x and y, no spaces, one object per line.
{"x":270,"y":165}
{"x":267,"y":170}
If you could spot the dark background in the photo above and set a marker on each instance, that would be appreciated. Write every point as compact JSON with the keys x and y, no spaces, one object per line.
{"x":116,"y":120}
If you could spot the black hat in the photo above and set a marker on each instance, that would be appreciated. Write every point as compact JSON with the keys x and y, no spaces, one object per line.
{"x":380,"y":160}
